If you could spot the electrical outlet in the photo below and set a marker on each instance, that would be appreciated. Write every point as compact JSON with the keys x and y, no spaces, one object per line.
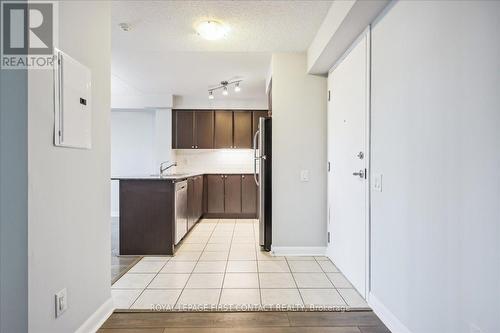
{"x":304,"y":175}
{"x":377,"y":182}
{"x":61,"y":302}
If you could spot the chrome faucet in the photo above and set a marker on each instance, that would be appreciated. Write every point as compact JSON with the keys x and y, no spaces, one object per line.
{"x":164,"y":168}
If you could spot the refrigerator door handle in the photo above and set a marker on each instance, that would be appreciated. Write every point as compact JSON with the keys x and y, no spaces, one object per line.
{"x":255,"y":157}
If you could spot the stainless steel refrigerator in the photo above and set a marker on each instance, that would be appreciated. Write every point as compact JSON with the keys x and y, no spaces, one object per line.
{"x":262,"y":145}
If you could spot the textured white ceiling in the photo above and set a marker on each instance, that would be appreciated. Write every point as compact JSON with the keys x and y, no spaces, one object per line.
{"x":163,"y":54}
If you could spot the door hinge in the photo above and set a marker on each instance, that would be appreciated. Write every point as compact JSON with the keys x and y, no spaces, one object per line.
{"x":328,"y":236}
{"x":366,"y":174}
{"x":329,"y":166}
{"x":329,"y":95}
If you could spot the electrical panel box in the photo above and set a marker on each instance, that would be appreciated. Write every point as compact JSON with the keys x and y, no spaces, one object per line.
{"x":72,"y":101}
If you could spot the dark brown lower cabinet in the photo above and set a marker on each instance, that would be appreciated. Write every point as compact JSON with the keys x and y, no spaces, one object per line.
{"x":232,"y":194}
{"x":215,"y":194}
{"x":248,"y":194}
{"x":191,"y":214}
{"x":195,"y":200}
{"x":147,"y":217}
{"x":198,"y":196}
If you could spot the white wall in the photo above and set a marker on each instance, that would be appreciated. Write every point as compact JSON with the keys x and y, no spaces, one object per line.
{"x":221,"y":102}
{"x":68,"y":195}
{"x":214,"y":161}
{"x":132,"y":147}
{"x":140,"y":141}
{"x":436,"y":140}
{"x":132,"y":142}
{"x":331,"y":23}
{"x":299,"y":143}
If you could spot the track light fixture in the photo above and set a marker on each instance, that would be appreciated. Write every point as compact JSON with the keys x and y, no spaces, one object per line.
{"x":224,"y":86}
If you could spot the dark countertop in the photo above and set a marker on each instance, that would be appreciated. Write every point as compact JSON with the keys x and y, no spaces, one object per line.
{"x":176,"y":176}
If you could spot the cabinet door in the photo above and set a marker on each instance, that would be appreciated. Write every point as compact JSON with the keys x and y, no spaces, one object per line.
{"x":191,"y":203}
{"x":198,"y":186}
{"x":242,"y":129}
{"x":174,"y":129}
{"x":215,"y":193}
{"x":256,"y":116}
{"x":248,"y":195}
{"x":223,"y":129}
{"x":204,"y":129}
{"x":232,"y":194}
{"x":184,"y":129}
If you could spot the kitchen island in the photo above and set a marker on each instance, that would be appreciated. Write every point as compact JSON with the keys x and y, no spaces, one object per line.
{"x":157,"y":212}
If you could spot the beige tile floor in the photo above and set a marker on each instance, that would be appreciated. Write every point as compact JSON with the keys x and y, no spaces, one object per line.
{"x":219,"y":266}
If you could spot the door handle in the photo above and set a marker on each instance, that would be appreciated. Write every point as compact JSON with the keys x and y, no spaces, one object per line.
{"x":360,"y":174}
{"x":255,"y":158}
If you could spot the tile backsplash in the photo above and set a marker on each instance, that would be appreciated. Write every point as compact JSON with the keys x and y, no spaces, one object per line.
{"x":214,"y":161}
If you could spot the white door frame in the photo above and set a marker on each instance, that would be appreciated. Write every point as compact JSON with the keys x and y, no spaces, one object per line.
{"x":367,"y":33}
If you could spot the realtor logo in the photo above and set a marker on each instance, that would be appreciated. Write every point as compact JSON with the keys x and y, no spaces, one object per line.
{"x":27,"y":34}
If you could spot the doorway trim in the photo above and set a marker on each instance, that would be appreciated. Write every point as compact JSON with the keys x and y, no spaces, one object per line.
{"x":366,"y":33}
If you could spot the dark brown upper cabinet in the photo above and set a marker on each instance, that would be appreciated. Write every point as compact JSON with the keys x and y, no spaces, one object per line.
{"x":232,"y":194}
{"x":184,"y":129}
{"x":255,"y":120}
{"x":220,"y":129}
{"x":204,"y":129}
{"x":242,"y":137}
{"x":223,"y":129}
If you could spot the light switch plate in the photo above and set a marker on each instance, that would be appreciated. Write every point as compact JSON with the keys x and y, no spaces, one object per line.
{"x":61,"y":299}
{"x":304,"y":175}
{"x":377,"y":182}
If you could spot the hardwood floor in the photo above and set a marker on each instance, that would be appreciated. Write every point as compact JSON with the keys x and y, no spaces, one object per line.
{"x":247,"y":322}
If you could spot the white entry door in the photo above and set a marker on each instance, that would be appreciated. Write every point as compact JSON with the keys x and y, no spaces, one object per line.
{"x":348,"y":121}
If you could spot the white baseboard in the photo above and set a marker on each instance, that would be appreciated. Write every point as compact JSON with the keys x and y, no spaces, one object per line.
{"x":387,"y":317}
{"x":95,"y":321}
{"x":298,"y":250}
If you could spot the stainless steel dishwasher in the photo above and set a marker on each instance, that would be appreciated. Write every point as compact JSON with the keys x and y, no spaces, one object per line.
{"x":181,"y":220}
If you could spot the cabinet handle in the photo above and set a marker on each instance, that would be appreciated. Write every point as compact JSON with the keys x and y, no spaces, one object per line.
{"x":242,"y":176}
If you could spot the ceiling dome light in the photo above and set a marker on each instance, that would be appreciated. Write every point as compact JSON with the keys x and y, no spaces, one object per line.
{"x":237,"y":87}
{"x":211,"y":30}
{"x":210,"y":95}
{"x":125,"y":26}
{"x":225,"y":92}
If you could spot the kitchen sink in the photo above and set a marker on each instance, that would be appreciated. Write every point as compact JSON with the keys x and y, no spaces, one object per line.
{"x":171,"y":175}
